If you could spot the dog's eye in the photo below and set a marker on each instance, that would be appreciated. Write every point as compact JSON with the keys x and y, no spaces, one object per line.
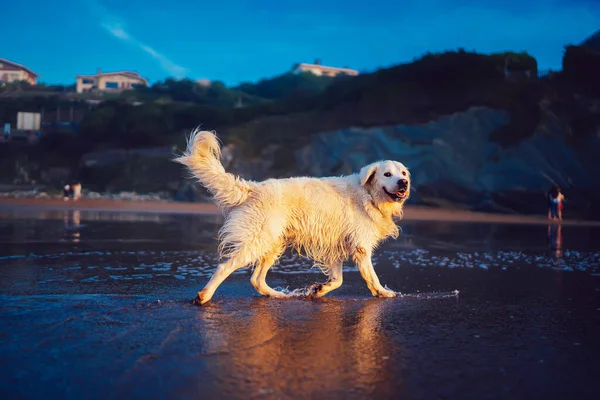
{"x":387,"y":174}
{"x":404,"y":173}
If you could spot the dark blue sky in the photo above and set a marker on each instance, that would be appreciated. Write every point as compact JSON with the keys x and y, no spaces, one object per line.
{"x":239,"y":40}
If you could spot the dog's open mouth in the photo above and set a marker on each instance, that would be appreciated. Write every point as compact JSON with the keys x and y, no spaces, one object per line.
{"x":396,"y":196}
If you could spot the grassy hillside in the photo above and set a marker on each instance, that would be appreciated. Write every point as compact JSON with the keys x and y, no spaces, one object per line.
{"x":593,"y":42}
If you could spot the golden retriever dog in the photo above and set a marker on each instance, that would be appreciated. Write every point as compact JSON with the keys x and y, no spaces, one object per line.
{"x":327,"y":219}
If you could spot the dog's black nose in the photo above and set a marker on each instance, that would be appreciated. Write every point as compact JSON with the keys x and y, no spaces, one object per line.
{"x":402,"y":183}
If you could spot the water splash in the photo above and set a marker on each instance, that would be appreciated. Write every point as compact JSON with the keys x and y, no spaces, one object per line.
{"x":430,"y":295}
{"x":300,"y":292}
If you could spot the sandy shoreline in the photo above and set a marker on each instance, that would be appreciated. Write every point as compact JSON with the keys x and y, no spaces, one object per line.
{"x":412,"y":213}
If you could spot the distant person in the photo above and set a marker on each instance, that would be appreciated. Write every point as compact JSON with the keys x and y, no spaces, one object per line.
{"x":555,"y":206}
{"x":66,"y":192}
{"x":560,"y":198}
{"x":76,"y":191}
{"x":550,"y":196}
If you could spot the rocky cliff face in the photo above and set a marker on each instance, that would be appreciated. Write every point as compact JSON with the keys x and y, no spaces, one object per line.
{"x":458,"y":149}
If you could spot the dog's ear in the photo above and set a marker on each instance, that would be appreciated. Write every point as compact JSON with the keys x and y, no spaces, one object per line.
{"x":367,"y":174}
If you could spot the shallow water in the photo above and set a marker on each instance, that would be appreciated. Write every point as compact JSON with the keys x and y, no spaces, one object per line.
{"x":96,"y":305}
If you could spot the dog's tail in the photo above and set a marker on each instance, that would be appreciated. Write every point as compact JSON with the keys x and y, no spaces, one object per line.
{"x":203,"y":158}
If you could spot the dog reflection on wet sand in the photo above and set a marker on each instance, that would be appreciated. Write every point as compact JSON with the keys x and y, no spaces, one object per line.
{"x":329,"y":348}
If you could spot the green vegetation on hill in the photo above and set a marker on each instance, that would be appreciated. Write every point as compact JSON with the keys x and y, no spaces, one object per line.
{"x":593,"y":42}
{"x":187,"y":91}
{"x":288,"y":85}
{"x":216,"y":94}
{"x":581,"y":65}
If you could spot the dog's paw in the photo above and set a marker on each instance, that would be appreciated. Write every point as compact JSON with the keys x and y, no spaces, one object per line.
{"x":200,"y":299}
{"x":387,"y":293}
{"x":196,"y":301}
{"x":314,"y":290}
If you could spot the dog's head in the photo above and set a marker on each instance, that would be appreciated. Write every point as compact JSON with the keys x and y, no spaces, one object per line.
{"x":388,"y":183}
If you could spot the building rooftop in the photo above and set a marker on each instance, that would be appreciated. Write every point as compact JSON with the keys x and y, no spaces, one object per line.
{"x":317,"y":65}
{"x":129,"y":74}
{"x":14,"y":64}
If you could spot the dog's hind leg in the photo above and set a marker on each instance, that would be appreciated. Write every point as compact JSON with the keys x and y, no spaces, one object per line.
{"x":259,"y":276}
{"x":334,"y":282}
{"x":235,"y":262}
{"x":248,"y":236}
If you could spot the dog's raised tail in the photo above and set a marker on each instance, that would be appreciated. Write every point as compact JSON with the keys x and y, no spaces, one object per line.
{"x":203,"y":158}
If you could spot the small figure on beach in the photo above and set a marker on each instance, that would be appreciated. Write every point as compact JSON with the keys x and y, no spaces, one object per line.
{"x":67,"y":192}
{"x":76,"y":191}
{"x":555,"y":203}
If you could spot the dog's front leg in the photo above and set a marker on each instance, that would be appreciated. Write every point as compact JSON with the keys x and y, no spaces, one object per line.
{"x":362,"y":258}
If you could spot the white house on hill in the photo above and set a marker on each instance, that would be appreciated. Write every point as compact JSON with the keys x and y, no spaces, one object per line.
{"x":110,"y":81}
{"x":323,"y":70}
